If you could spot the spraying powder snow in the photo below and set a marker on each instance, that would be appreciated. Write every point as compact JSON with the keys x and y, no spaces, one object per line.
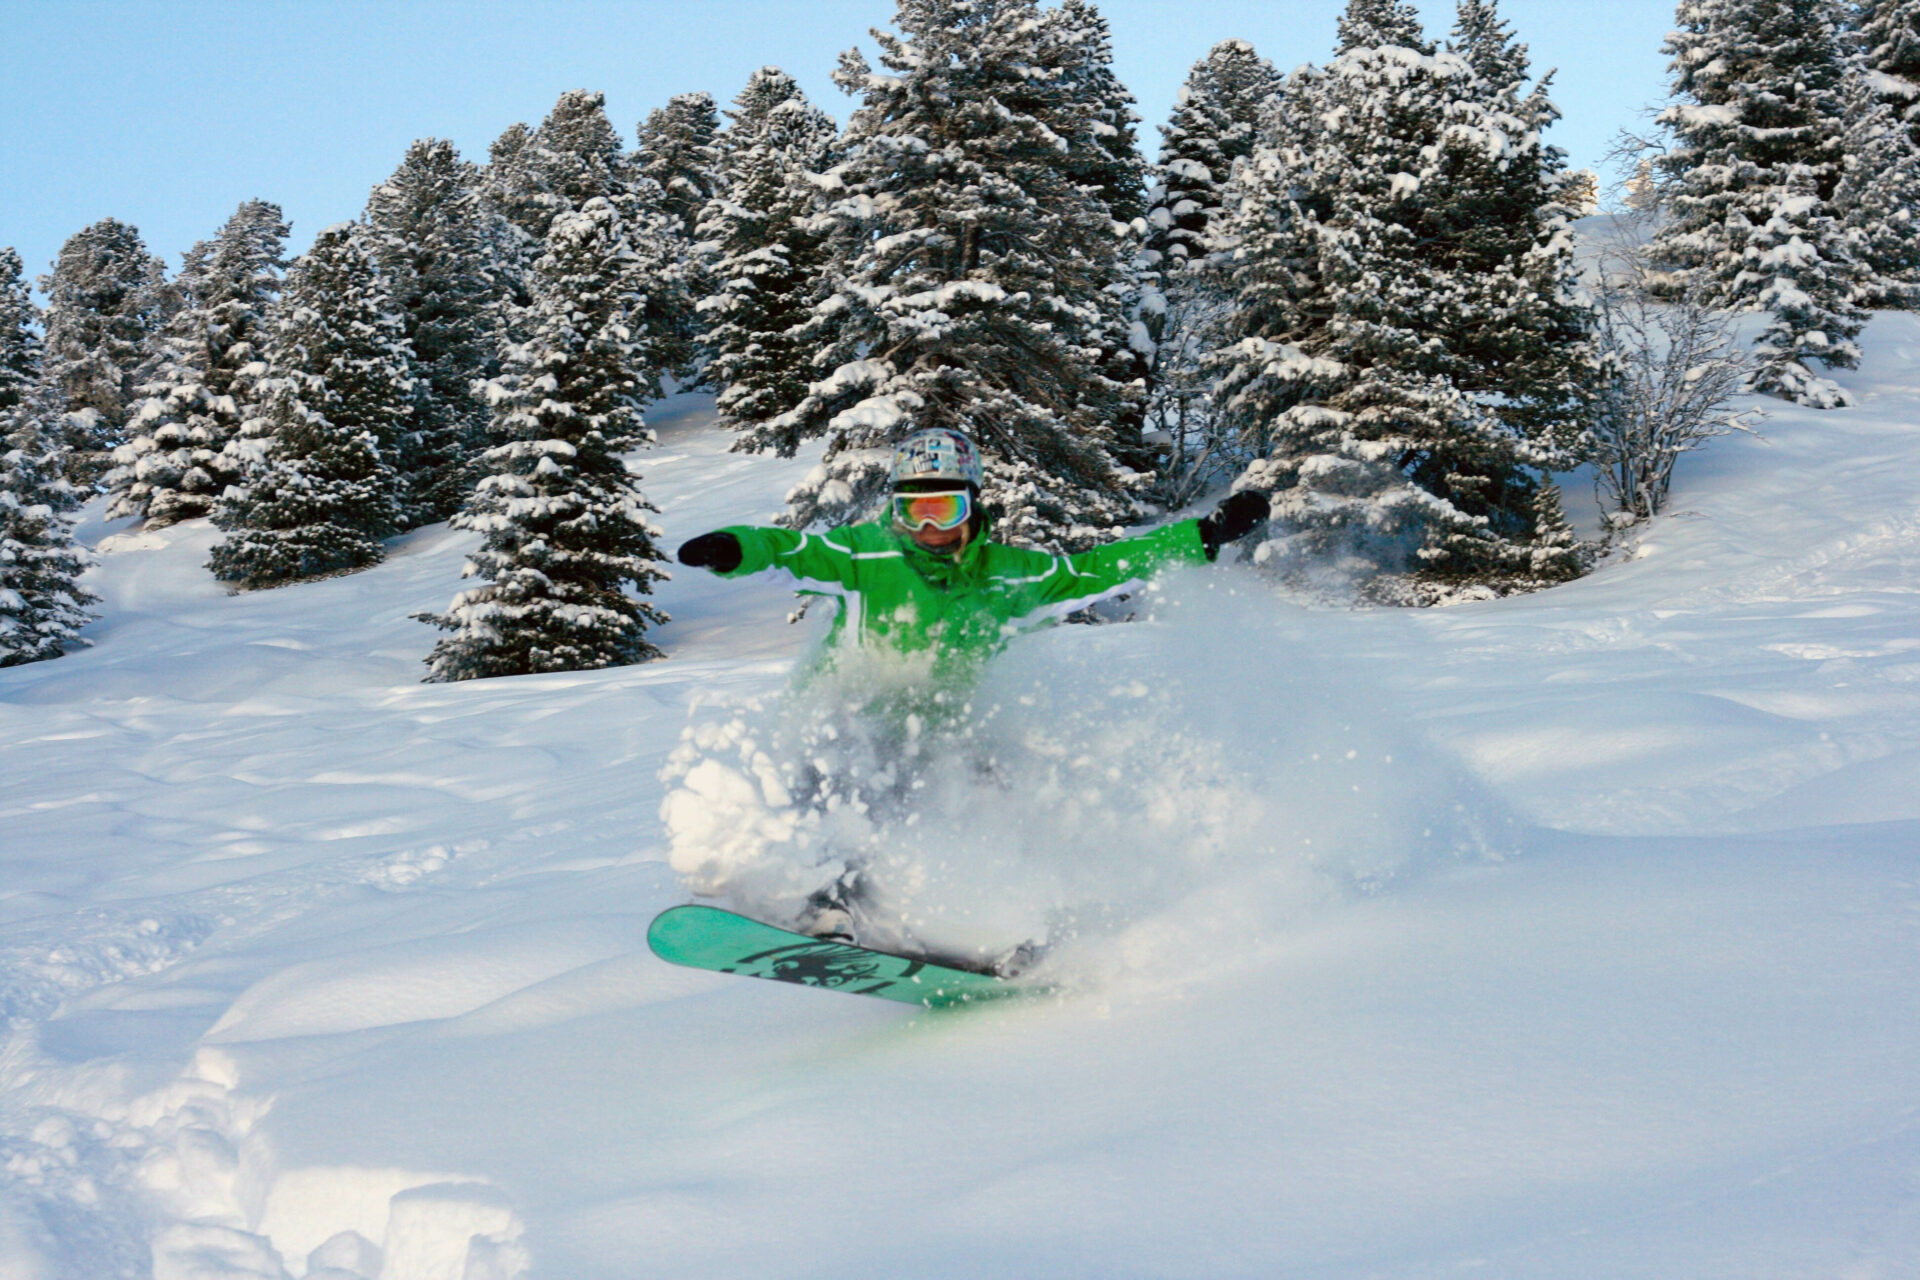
{"x":1107,"y":790}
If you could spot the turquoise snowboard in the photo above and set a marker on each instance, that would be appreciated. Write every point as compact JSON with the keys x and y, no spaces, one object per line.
{"x":709,"y":938}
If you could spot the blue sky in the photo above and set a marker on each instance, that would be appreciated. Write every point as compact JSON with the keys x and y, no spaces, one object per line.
{"x":168,"y":113}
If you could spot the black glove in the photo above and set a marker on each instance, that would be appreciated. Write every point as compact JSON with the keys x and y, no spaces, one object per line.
{"x":1232,"y":520}
{"x":719,"y":552}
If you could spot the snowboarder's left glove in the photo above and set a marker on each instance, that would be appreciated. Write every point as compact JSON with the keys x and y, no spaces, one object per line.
{"x":719,"y":551}
{"x":1232,"y":520}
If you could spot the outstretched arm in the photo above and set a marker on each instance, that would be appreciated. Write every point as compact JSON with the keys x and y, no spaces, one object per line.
{"x":1130,"y":561}
{"x":739,"y":550}
{"x":1121,"y":566}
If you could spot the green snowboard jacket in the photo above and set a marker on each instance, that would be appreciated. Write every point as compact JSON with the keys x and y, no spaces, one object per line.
{"x":895,"y":595}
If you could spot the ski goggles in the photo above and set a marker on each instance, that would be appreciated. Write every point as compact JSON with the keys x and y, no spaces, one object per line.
{"x":948,"y":510}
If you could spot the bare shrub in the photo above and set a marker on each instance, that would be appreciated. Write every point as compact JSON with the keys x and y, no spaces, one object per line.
{"x":1674,"y":364}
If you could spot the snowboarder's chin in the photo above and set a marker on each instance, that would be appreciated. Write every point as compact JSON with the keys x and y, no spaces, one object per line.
{"x":944,"y":540}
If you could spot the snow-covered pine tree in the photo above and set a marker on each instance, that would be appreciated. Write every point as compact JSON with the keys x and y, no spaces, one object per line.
{"x":679,"y":151}
{"x":1760,"y":89}
{"x":768,"y":258}
{"x":1889,"y":34}
{"x":1759,"y":92}
{"x":104,"y":304}
{"x":1281,"y":207}
{"x":1215,"y":122}
{"x":1113,"y":168}
{"x":1581,"y":193}
{"x":436,"y":241}
{"x":1381,"y":24}
{"x":1113,"y":165}
{"x":42,"y":605}
{"x":564,"y":523}
{"x":1518,"y":333}
{"x":978,"y":285}
{"x":575,"y":157}
{"x":504,"y":181}
{"x":679,"y":158}
{"x":1268,"y":240}
{"x":317,"y":492}
{"x":175,"y":466}
{"x":1482,"y":37}
{"x":20,"y":343}
{"x":506,"y":191}
{"x":1642,"y":191}
{"x":1215,"y":125}
{"x":1878,"y":198}
{"x":1799,"y":269}
{"x":1349,"y":258}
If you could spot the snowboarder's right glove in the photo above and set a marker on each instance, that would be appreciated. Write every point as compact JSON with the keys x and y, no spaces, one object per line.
{"x":1231,"y":521}
{"x":719,"y":552}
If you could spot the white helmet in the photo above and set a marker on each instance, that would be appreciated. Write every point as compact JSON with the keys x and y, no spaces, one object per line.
{"x":936,"y":454}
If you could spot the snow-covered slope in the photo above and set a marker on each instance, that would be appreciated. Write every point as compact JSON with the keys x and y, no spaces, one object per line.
{"x":1573,"y":935}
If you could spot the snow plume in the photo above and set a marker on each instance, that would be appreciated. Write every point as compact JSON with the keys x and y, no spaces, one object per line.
{"x":1129,"y":793}
{"x":1344,"y":523}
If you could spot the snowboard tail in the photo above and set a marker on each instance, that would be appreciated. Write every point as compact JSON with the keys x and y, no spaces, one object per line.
{"x":703,"y":937}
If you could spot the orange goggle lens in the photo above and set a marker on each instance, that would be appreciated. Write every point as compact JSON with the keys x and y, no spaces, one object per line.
{"x":941,"y":510}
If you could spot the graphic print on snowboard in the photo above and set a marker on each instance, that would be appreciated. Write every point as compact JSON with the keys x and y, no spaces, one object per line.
{"x":822,"y":963}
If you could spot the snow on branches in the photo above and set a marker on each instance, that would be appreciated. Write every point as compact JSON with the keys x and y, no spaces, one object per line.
{"x":440,"y":246}
{"x":976,"y":281}
{"x":106,"y":298}
{"x":1214,"y":127}
{"x":42,"y":605}
{"x":564,"y":525}
{"x":175,"y":466}
{"x":318,"y":490}
{"x":1411,"y":354}
{"x":767,"y":258}
{"x":1759,"y":119}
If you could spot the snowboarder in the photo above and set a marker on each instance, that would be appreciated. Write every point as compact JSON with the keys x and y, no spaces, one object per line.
{"x":929,"y":580}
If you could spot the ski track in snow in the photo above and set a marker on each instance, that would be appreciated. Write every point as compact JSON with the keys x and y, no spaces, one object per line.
{"x":1570,"y":935}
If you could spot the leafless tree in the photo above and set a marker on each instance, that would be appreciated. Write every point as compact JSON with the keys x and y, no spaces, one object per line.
{"x":1674,"y":366}
{"x":1200,"y":451}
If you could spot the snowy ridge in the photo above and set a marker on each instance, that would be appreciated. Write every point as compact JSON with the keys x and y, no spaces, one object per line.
{"x":1565,"y":935}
